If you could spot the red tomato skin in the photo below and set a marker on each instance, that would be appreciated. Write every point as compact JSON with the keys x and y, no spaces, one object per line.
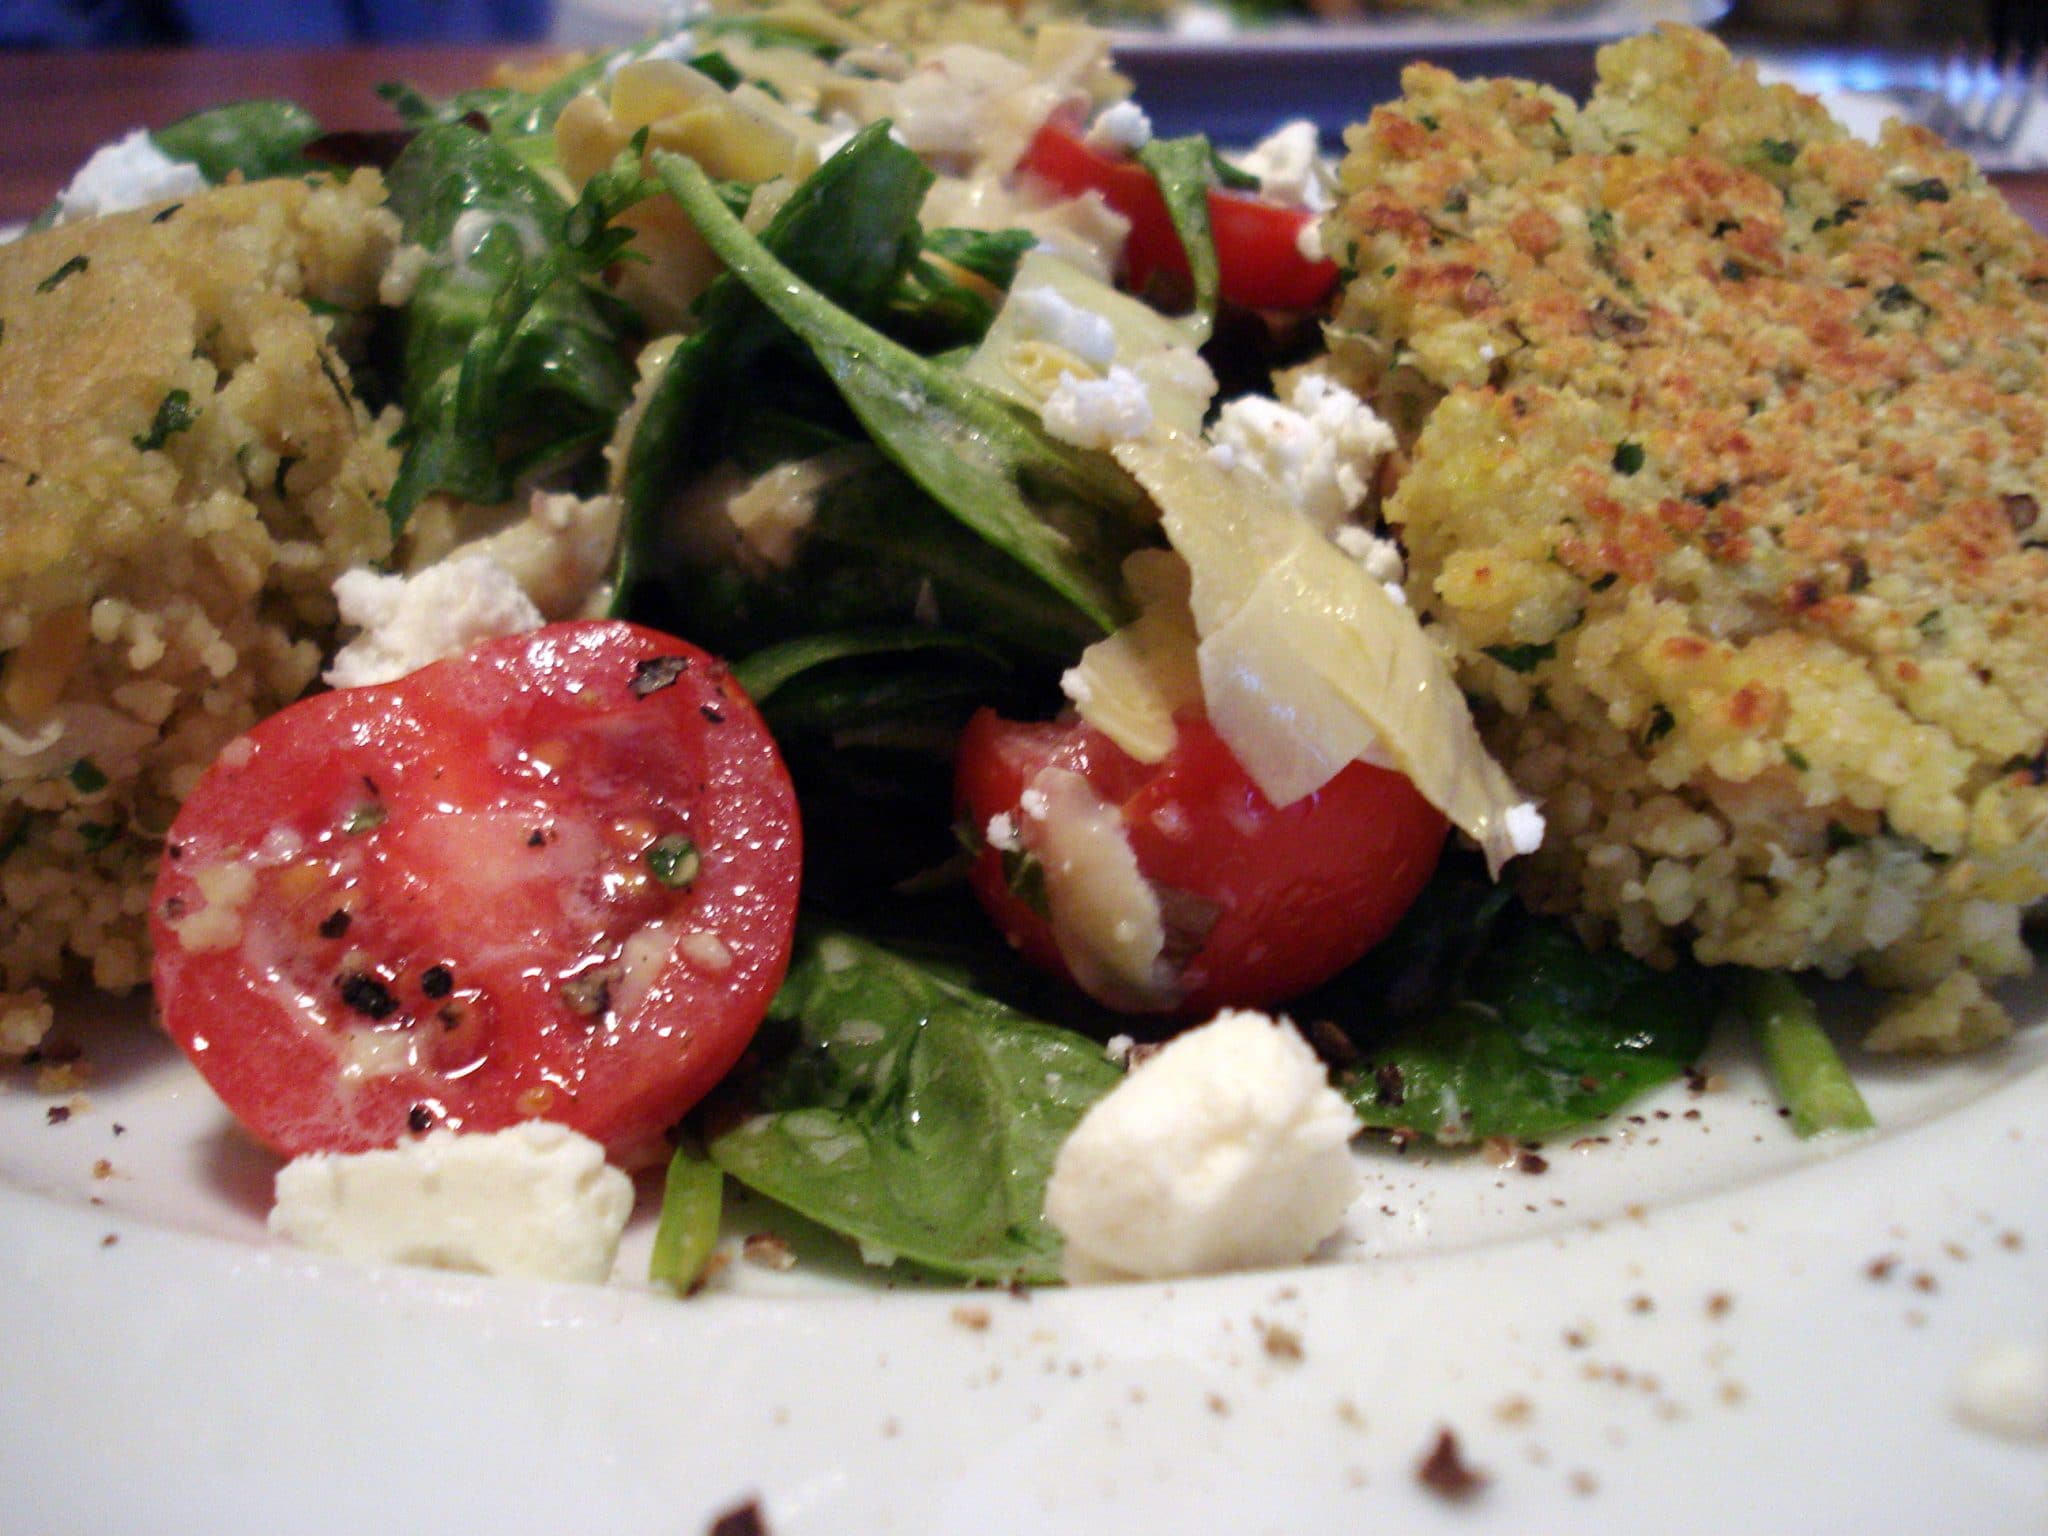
{"x":1301,"y":890}
{"x":489,"y":863}
{"x":1257,"y":250}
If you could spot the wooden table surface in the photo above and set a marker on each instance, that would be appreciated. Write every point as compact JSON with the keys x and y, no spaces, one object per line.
{"x":59,"y":106}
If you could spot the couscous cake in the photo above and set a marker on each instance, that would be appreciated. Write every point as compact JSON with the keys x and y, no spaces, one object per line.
{"x":1726,"y":454}
{"x":183,"y":472}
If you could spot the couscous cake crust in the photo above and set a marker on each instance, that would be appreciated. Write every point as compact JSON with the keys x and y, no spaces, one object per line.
{"x":183,"y":472}
{"x":1727,"y":454}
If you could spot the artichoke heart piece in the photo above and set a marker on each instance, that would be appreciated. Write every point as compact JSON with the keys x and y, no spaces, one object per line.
{"x":741,"y":135}
{"x":1130,"y":685}
{"x":1023,"y":356}
{"x":1306,"y":662}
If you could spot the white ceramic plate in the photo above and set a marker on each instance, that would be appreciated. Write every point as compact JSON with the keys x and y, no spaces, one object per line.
{"x":1693,"y":1323}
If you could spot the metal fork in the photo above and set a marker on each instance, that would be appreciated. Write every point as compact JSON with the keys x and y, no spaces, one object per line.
{"x":1984,"y":100}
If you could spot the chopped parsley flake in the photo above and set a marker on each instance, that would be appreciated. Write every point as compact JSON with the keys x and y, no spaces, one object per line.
{"x":1779,"y":151}
{"x":1662,"y":723}
{"x":174,"y":414}
{"x":363,"y":818}
{"x":1932,"y":190}
{"x":674,"y":861}
{"x":75,"y":265}
{"x":1628,"y":458}
{"x":86,"y":777}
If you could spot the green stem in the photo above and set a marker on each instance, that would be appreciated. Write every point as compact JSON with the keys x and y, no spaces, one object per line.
{"x":690,"y":1202}
{"x":1809,"y":1073}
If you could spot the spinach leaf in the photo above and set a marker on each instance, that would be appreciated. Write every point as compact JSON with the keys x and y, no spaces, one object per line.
{"x":1066,"y":516}
{"x":767,"y":672}
{"x":850,"y":228}
{"x":869,"y":721}
{"x":1512,"y":1027}
{"x":257,"y":138}
{"x":895,"y":1105}
{"x":876,"y":551}
{"x":951,"y":293}
{"x":1185,"y":169}
{"x":513,"y":357}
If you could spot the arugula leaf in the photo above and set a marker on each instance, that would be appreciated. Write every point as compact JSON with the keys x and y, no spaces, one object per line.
{"x":510,"y":115}
{"x":1185,"y":169}
{"x":1475,"y":1019}
{"x":260,"y":139}
{"x":1068,"y":517}
{"x":893,"y":1104}
{"x":513,"y":357}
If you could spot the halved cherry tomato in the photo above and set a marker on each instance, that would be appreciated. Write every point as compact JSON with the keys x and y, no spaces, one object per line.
{"x":1261,"y":902}
{"x":554,"y":878}
{"x":1257,"y":242}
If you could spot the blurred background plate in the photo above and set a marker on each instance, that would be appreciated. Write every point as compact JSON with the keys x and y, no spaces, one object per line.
{"x":1228,"y":86}
{"x":1226,"y":81}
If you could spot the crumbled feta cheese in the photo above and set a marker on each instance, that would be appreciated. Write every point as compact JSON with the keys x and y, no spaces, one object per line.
{"x":537,"y":1200}
{"x":129,"y":173}
{"x":1380,"y":557}
{"x":1121,"y":129}
{"x":1525,"y":827}
{"x":1308,"y":241}
{"x":2005,"y":1390}
{"x":1320,"y":449}
{"x":1001,"y":833}
{"x":1049,"y":316}
{"x":1227,"y":1149}
{"x":560,"y":552}
{"x":409,"y":621}
{"x":1289,"y":165}
{"x":1094,"y":413}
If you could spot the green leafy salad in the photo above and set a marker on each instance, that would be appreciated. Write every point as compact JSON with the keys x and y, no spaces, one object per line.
{"x":889,"y":366}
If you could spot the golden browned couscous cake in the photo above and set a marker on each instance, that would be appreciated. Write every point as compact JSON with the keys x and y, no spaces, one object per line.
{"x":183,"y":472}
{"x":1728,"y":449}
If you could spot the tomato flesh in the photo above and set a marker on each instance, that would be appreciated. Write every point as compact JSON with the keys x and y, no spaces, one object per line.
{"x":1258,"y":251}
{"x":1272,"y":899}
{"x":554,"y":878}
